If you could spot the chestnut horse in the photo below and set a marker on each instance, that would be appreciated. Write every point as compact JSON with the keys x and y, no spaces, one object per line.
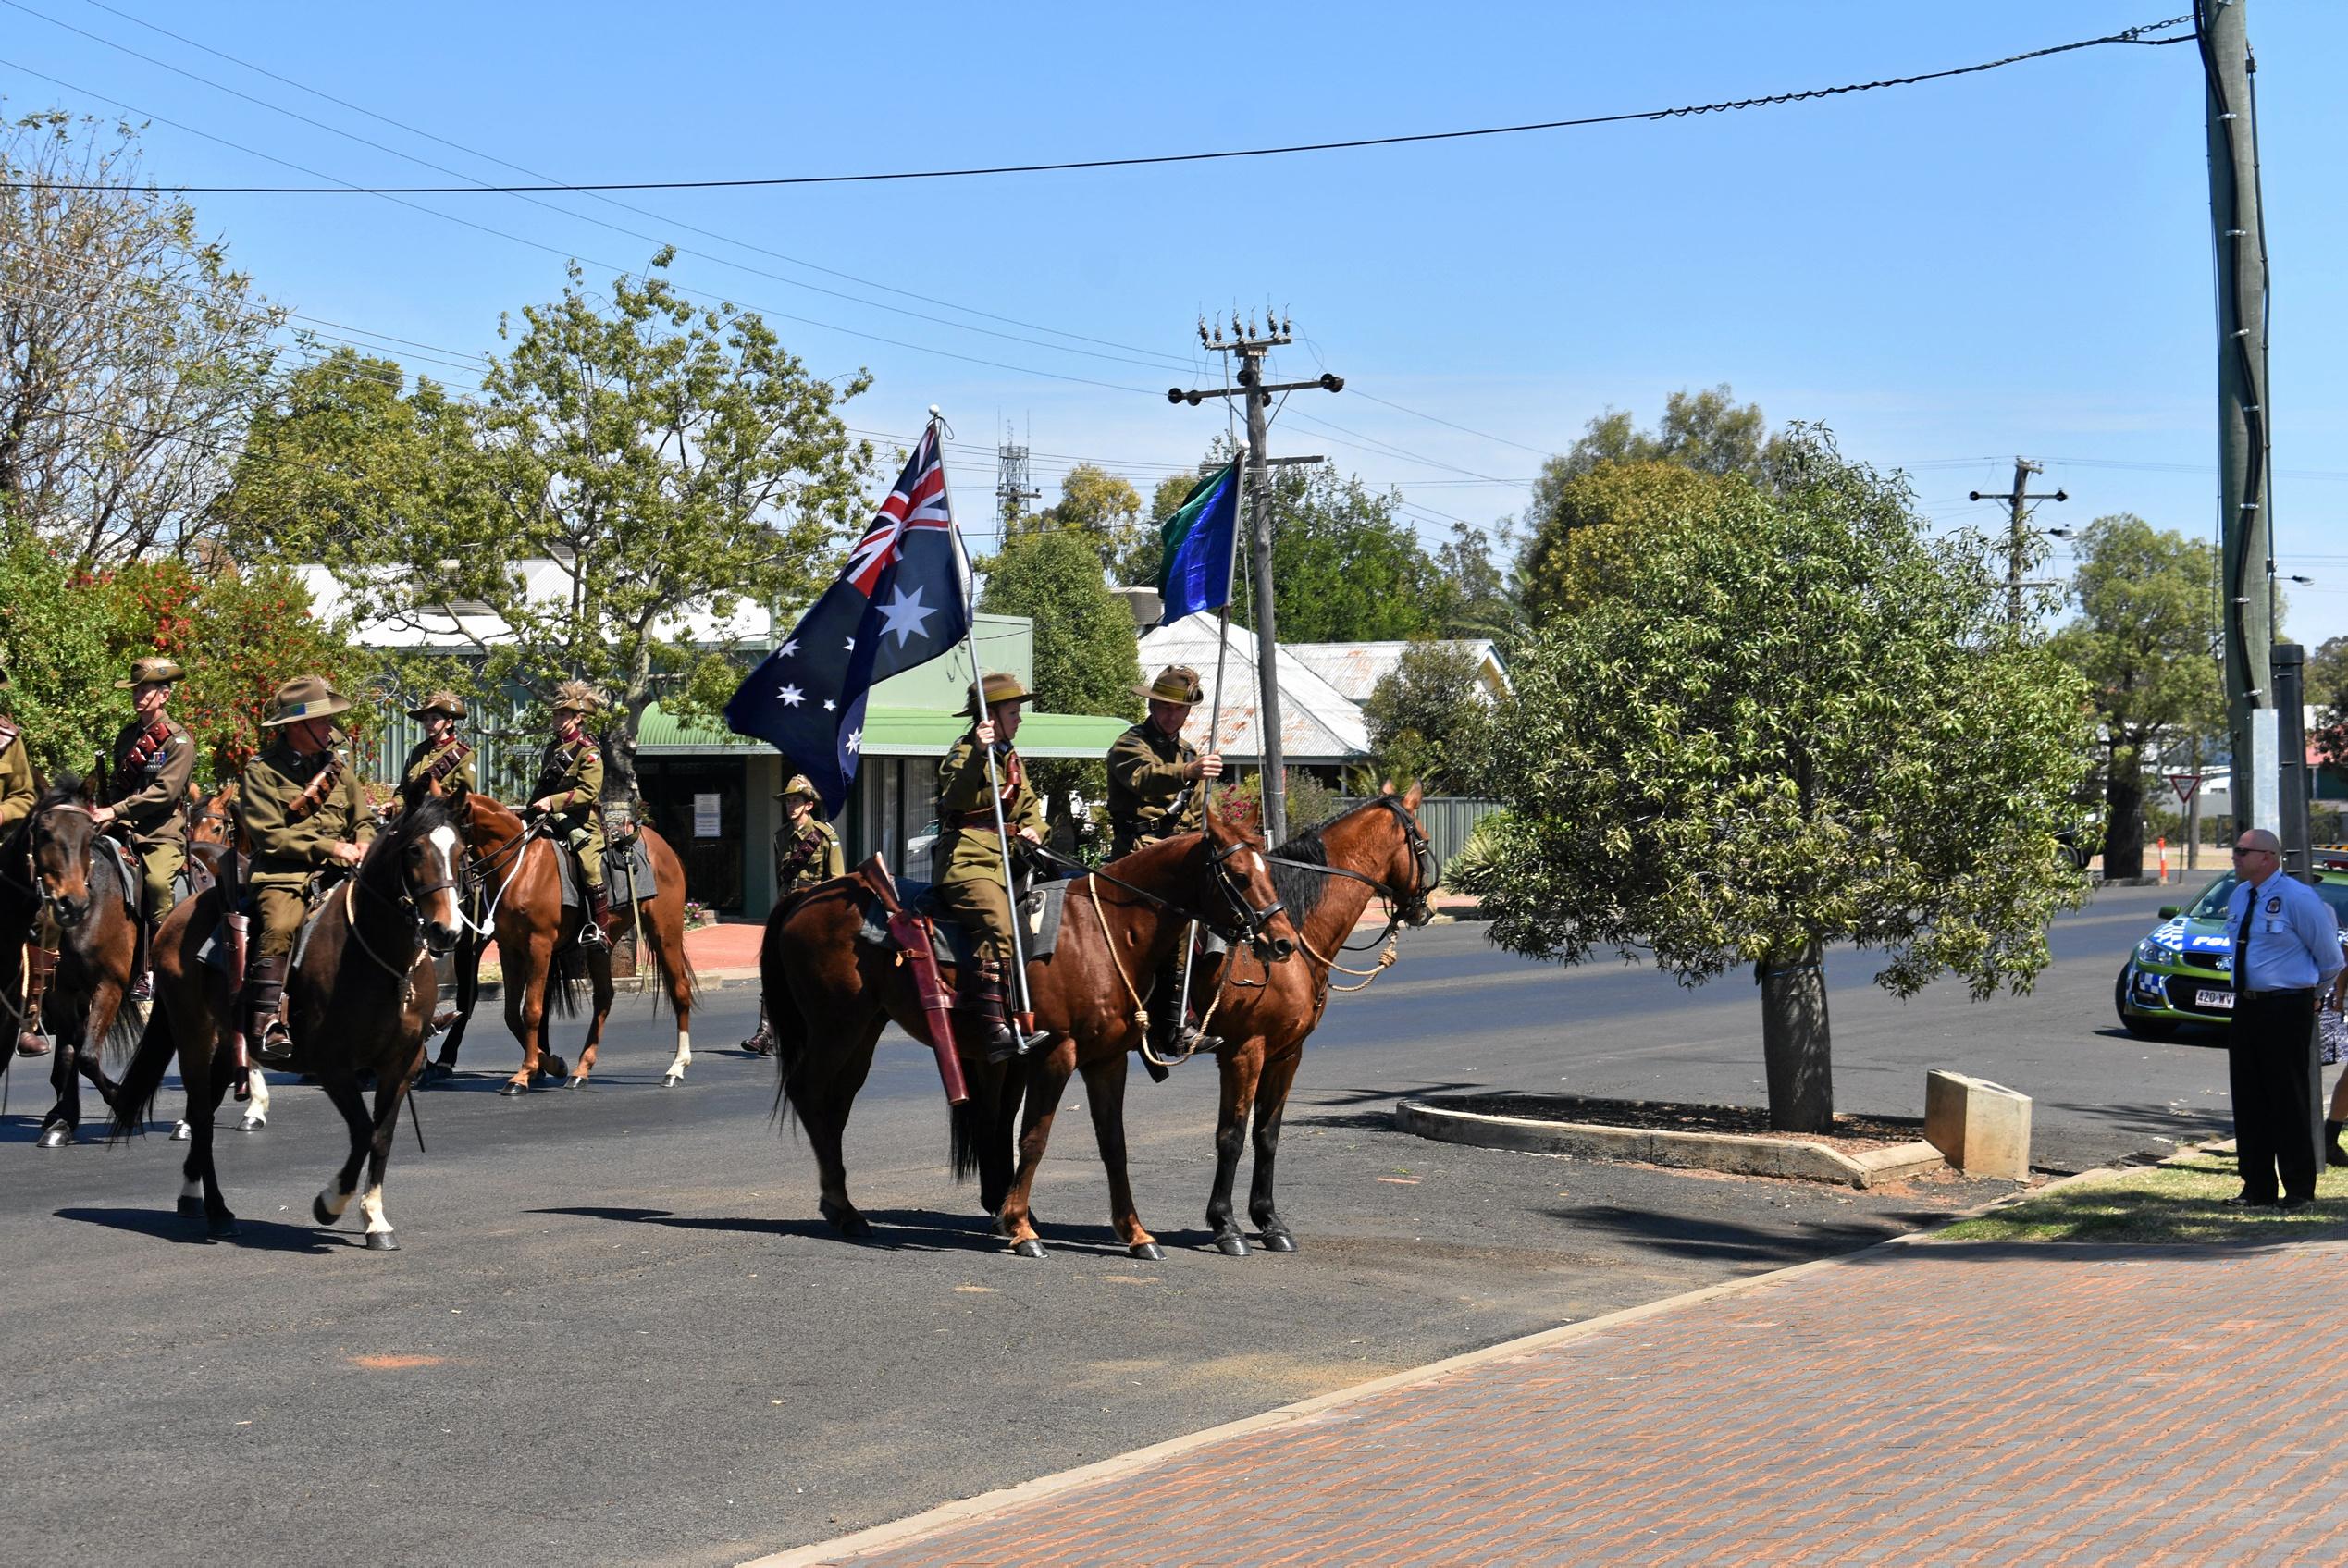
{"x":518,"y":899}
{"x":1326,"y":876}
{"x":828,"y":996}
{"x":358,"y":1002}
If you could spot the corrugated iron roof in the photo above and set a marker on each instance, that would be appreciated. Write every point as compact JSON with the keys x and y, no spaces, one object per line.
{"x":1318,"y":722}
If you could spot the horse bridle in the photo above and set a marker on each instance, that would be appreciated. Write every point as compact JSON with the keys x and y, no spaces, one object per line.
{"x":1247,"y":922}
{"x":1414,"y":907}
{"x":35,"y":834}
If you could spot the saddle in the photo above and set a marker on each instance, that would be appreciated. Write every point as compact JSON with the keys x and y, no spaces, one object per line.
{"x":951,"y":943}
{"x":627,"y":872}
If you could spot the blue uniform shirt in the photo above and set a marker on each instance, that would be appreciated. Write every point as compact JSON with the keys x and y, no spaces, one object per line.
{"x":2294,"y":938}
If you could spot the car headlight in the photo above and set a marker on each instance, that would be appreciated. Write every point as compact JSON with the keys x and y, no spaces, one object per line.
{"x":2150,"y":950}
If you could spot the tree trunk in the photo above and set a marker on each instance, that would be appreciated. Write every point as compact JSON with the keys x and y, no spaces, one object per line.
{"x":1796,"y":1042}
{"x":2124,"y":816}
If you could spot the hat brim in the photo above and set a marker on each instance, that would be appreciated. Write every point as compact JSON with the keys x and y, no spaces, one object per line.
{"x":309,"y":710}
{"x":1157,"y":696}
{"x":431,"y":709}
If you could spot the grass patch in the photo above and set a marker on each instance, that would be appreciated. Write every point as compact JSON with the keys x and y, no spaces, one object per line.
{"x":2182,"y":1199}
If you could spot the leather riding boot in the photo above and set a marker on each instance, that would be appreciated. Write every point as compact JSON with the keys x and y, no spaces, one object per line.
{"x":598,"y":910}
{"x":2333,"y":1154}
{"x":143,"y":988}
{"x":762,"y":1043}
{"x":1171,"y":1034}
{"x":979,"y":993}
{"x":40,"y":963}
{"x":265,"y":1031}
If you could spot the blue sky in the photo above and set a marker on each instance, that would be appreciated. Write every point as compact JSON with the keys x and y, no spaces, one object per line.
{"x":1947,"y":275}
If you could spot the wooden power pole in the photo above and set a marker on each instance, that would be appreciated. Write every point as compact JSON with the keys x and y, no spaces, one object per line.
{"x":2018,"y":534}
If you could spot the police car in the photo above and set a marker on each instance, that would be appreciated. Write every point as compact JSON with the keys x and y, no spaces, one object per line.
{"x":2181,"y":973}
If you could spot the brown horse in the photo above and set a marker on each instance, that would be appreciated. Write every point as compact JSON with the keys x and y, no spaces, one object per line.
{"x":358,"y":1002}
{"x":87,"y":895}
{"x":828,"y":996}
{"x":1326,"y":876}
{"x":518,"y":898}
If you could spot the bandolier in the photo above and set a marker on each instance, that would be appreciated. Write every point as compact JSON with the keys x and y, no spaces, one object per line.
{"x":807,"y":854}
{"x":301,"y":813}
{"x":150,"y":766}
{"x":17,"y":796}
{"x":971,"y":888}
{"x":570,"y":791}
{"x":440,"y":755}
{"x":1155,"y":790}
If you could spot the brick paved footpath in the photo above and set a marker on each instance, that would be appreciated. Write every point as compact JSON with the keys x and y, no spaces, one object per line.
{"x":1922,"y":1402}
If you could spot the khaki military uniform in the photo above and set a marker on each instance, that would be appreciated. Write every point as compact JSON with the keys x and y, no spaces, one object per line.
{"x":449,"y":762}
{"x":571,"y":780}
{"x":150,"y":769}
{"x":1151,"y":794}
{"x":970,"y":888}
{"x":16,"y":794}
{"x":804,"y":856}
{"x":292,"y":843}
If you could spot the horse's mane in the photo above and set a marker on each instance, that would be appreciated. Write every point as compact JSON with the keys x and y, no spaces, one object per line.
{"x":1299,"y":889}
{"x":419,"y":815}
{"x":65,"y":786}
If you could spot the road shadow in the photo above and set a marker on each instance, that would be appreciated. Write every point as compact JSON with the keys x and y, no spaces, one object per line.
{"x":893,"y":1229}
{"x":1388,"y":1093}
{"x":254,"y":1235}
{"x":1681,"y":1236}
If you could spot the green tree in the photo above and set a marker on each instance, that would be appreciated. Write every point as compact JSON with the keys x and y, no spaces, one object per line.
{"x":1798,"y":720}
{"x":62,"y":634}
{"x":1430,"y":719}
{"x":131,"y":354}
{"x":1086,"y":658}
{"x":1106,"y":513}
{"x":2326,"y":678}
{"x":1480,"y":597}
{"x":2142,"y":642}
{"x":1344,"y":567}
{"x":1708,"y":431}
{"x":1596,"y":527}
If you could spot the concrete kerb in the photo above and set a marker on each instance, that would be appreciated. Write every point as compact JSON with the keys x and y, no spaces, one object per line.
{"x":715,"y":980}
{"x":841,"y":1552}
{"x":1738,"y":1153}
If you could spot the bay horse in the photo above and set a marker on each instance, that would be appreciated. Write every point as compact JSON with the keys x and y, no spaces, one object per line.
{"x":1326,"y":876}
{"x":358,"y":1002}
{"x":89,"y":899}
{"x":829,"y":995}
{"x":519,"y":888}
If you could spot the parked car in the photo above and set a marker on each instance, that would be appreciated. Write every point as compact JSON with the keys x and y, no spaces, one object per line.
{"x":2181,"y":973}
{"x":917,"y":850}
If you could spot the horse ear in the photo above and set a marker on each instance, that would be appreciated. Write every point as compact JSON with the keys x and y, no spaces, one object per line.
{"x":1385,"y":786}
{"x":1410,"y":801}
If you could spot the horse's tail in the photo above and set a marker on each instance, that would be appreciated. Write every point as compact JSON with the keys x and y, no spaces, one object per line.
{"x":970,"y":1127}
{"x":786,"y":1025}
{"x":134,"y":1095}
{"x":656,"y":963}
{"x":566,"y":978}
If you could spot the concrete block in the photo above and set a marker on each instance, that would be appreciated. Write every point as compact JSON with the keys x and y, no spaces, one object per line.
{"x":1982,"y":1128}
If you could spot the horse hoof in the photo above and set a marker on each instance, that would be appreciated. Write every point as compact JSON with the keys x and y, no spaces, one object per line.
{"x":436,"y":1072}
{"x":1148,"y":1252}
{"x":575,"y":1081}
{"x":671,"y":1080}
{"x":553,"y":1066}
{"x":848,"y":1221}
{"x":221,"y":1228}
{"x":512,"y":1089}
{"x":1279,"y":1242}
{"x":318,"y":1211}
{"x":55,"y":1137}
{"x":381,"y":1241}
{"x":181,"y":1132}
{"x":1031,"y":1248}
{"x":252,"y":1123}
{"x":1231,"y":1246}
{"x":191,"y":1208}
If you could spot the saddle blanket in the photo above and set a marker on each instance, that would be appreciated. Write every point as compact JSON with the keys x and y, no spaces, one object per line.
{"x":627,"y":874}
{"x":951,"y":942}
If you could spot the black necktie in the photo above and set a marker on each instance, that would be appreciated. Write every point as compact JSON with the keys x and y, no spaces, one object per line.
{"x":2242,"y":944}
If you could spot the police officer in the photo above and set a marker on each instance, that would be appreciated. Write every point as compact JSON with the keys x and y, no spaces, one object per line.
{"x":570,"y":789}
{"x":439,"y":756}
{"x":17,"y":796}
{"x":153,"y":762}
{"x":807,"y":852}
{"x":2286,"y":952}
{"x":1155,"y":790}
{"x":302,"y":813}
{"x":969,"y":890}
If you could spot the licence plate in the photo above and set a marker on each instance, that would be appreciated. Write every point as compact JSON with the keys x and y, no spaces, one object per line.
{"x":2222,"y":999}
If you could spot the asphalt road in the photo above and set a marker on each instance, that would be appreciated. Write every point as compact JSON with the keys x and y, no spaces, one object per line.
{"x":617,"y":1332}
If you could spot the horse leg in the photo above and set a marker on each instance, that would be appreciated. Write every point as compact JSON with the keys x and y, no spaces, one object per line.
{"x":824,"y":1100}
{"x":1046,"y":1078}
{"x":994,"y":1093}
{"x":1271,"y":1104}
{"x":468,"y":992}
{"x":64,"y":1119}
{"x":674,"y":975}
{"x":257,"y":1110}
{"x":1240,"y":1067}
{"x":207,"y":1079}
{"x":342,"y":1089}
{"x":526,"y":990}
{"x":1104,"y":1083}
{"x":389,"y":1095}
{"x":600,"y":975}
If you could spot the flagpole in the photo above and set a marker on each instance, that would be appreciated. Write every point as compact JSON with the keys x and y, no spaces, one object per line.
{"x":1214,"y":739}
{"x":1024,"y":1024}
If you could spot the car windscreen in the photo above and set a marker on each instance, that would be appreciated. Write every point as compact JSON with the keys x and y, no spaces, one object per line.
{"x":2211,"y":905}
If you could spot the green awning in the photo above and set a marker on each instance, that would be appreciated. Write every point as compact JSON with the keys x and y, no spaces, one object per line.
{"x":897,"y":732}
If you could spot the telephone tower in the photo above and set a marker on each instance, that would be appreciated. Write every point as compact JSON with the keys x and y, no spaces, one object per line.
{"x":1012,"y":488}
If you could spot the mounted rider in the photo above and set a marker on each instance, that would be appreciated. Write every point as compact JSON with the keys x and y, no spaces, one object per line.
{"x":303,"y":814}
{"x":17,"y":797}
{"x":149,"y":770}
{"x":970,"y":889}
{"x":807,"y":852}
{"x":440,"y":755}
{"x":1156,"y":790}
{"x":570,"y":791}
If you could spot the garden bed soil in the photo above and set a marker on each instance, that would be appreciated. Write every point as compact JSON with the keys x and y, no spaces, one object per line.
{"x":1852,"y":1134}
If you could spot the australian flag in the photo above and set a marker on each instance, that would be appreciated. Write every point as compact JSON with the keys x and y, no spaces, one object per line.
{"x":902,"y":600}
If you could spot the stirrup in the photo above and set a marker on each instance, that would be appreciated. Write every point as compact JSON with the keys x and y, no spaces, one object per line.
{"x":274,"y":1049}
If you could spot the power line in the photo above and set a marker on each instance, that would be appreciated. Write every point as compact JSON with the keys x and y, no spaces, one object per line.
{"x":2134,"y":35}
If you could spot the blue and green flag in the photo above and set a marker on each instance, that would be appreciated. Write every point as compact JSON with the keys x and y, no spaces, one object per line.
{"x":1194,"y":570}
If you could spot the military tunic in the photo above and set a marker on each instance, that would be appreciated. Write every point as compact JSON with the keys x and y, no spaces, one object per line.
{"x":151,"y":767}
{"x":571,"y":782}
{"x":16,"y":793}
{"x":450,"y":762}
{"x":970,"y":888}
{"x":1151,"y":794}
{"x":292,"y":844}
{"x":804,"y":856}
